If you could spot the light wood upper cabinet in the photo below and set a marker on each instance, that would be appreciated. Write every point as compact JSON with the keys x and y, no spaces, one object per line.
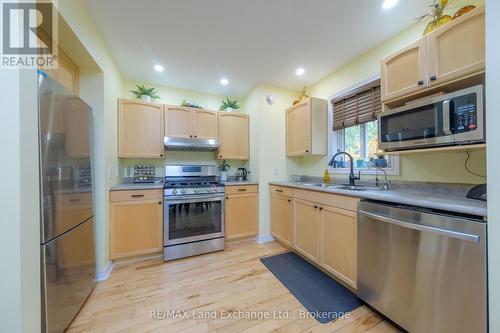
{"x":136,"y":223}
{"x":205,"y":124}
{"x":281,"y":218}
{"x":178,"y":122}
{"x":187,"y":123}
{"x":306,"y":128}
{"x":76,"y":126}
{"x":339,"y":243}
{"x":450,"y":53}
{"x":307,"y":227}
{"x":140,"y":129}
{"x":241,"y":212}
{"x":458,"y":48}
{"x":405,"y":71}
{"x":234,"y":136}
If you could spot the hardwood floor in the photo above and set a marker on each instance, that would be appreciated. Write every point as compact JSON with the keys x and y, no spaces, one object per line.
{"x":232,"y":283}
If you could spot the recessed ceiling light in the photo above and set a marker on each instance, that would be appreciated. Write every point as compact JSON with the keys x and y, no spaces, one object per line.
{"x":388,"y":4}
{"x":224,"y":81}
{"x":159,"y":68}
{"x":300,"y":71}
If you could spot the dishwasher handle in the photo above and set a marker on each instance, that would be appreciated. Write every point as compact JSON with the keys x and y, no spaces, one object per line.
{"x":424,"y":228}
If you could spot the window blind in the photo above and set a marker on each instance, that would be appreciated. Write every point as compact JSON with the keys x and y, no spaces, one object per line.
{"x":357,"y":107}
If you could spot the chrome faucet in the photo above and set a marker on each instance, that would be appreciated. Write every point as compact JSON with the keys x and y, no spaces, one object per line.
{"x":387,"y":184}
{"x":352,"y":177}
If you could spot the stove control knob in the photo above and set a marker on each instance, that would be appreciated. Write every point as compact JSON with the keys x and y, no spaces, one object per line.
{"x":183,"y":191}
{"x":174,"y":191}
{"x":196,"y":190}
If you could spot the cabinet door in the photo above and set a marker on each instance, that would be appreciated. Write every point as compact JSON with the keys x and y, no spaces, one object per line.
{"x":298,"y":130}
{"x":205,"y":124}
{"x":241,"y":213}
{"x":339,"y":243}
{"x":136,"y":227}
{"x":76,"y":128}
{"x":178,"y":122}
{"x":140,"y":129}
{"x":306,"y":224}
{"x":234,"y":136}
{"x":405,"y":71}
{"x":458,"y":48}
{"x":281,"y":218}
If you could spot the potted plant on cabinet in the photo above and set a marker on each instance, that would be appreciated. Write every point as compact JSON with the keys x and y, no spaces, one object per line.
{"x":223,"y":171}
{"x":229,"y":105}
{"x":145,"y":94}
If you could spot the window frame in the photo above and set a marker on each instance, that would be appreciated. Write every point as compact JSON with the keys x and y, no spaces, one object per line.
{"x":335,"y":138}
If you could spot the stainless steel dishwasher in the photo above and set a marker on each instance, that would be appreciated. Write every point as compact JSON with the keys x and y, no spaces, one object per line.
{"x":423,"y":269}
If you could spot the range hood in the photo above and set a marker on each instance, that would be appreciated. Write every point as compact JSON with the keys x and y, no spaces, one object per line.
{"x":190,"y":144}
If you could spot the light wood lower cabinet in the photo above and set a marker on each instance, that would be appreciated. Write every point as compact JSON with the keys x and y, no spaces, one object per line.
{"x":241,"y":212}
{"x":306,"y":229}
{"x":339,"y":243}
{"x":281,"y":218}
{"x":136,"y":223}
{"x":319,"y":226}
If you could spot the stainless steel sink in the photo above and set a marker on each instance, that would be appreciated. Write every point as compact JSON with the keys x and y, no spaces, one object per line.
{"x":315,"y":184}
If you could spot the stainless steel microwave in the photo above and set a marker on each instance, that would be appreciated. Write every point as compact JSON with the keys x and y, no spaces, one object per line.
{"x":450,"y":119}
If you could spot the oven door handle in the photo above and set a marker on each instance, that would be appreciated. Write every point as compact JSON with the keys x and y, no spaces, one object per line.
{"x":446,"y":118}
{"x":193,"y":199}
{"x":423,"y":228}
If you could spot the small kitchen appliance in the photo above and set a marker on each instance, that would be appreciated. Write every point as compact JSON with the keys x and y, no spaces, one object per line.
{"x":193,"y":216}
{"x":241,"y":174}
{"x":456,"y":118}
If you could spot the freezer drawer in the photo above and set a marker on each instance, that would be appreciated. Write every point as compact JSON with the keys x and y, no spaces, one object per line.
{"x":424,"y":270}
{"x":68,"y":276}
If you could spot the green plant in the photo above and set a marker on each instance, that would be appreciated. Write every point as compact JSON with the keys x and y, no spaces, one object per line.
{"x":224,"y":166}
{"x":229,"y":104}
{"x":143,"y":91}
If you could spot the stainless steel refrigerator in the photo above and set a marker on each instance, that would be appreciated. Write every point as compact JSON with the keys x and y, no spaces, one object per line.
{"x":67,"y":216}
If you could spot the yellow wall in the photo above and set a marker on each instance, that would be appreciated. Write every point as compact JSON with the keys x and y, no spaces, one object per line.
{"x":437,"y":167}
{"x":175,"y":96}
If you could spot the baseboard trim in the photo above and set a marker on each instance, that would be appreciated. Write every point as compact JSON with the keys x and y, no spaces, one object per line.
{"x":103,"y":275}
{"x":264,"y":238}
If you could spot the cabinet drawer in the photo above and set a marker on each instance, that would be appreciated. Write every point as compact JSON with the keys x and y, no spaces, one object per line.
{"x":74,"y":199}
{"x":281,"y":190}
{"x":334,"y":200}
{"x":131,"y":195}
{"x":240,"y":189}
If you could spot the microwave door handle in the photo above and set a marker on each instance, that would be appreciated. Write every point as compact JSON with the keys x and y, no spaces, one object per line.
{"x":446,"y":117}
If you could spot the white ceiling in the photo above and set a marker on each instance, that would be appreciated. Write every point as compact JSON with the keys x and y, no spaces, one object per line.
{"x":247,"y":41}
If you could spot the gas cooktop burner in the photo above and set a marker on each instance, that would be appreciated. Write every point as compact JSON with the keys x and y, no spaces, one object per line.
{"x":191,"y":180}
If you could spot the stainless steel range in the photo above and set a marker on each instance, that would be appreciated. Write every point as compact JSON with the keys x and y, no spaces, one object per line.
{"x":193,"y":215}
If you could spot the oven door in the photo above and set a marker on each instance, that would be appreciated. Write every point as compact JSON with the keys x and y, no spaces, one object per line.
{"x":193,"y":218}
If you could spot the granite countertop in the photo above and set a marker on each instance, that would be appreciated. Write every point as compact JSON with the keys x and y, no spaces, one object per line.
{"x":137,"y":186}
{"x":452,"y":201}
{"x":239,"y":182}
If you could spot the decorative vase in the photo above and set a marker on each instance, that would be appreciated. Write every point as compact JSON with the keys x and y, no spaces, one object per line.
{"x":229,"y":110}
{"x":223,"y":176}
{"x":437,"y":24}
{"x":146,"y":98}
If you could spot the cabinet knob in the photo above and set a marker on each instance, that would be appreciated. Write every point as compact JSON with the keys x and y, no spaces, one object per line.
{"x":196,"y":136}
{"x":307,"y":151}
{"x":315,"y":207}
{"x":190,"y":136}
{"x":159,"y":202}
{"x":320,"y":208}
{"x":289,"y":200}
{"x":227,"y":198}
{"x":434,"y":78}
{"x":420,"y":83}
{"x":161,"y":155}
{"x":220,"y":156}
